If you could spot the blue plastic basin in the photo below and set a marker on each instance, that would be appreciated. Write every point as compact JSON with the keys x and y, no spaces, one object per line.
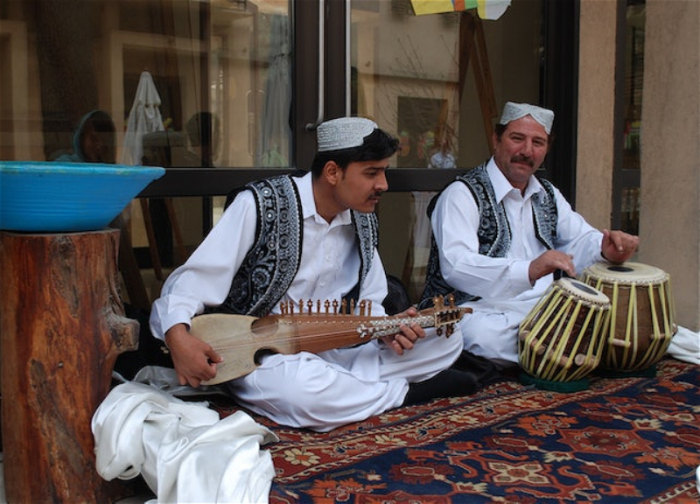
{"x":46,"y":197}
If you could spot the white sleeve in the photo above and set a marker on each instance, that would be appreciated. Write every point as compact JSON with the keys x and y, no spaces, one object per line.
{"x":205,"y":279}
{"x":455,"y":222}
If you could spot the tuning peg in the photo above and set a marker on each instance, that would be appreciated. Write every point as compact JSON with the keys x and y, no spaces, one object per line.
{"x":438,"y":303}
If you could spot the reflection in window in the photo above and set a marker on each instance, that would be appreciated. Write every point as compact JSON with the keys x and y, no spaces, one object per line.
{"x":437,"y":81}
{"x":217,"y":88}
{"x":229,"y":59}
{"x":634,"y":76}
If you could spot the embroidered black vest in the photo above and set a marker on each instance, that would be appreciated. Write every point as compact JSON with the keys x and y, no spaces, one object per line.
{"x":494,"y":230}
{"x":269,"y":267}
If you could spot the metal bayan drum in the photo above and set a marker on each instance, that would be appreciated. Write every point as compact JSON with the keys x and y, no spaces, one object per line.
{"x":641,"y":317}
{"x":560,"y":340}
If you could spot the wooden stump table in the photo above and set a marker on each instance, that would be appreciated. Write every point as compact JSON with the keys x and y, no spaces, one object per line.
{"x":62,"y":327}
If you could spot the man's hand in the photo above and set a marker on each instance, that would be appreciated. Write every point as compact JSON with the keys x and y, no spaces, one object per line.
{"x":549,"y":262}
{"x":407,"y":335}
{"x":195,"y":361}
{"x":618,"y":246}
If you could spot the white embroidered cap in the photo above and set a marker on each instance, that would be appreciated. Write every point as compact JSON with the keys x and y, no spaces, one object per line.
{"x":343,"y":133}
{"x":514,"y":111}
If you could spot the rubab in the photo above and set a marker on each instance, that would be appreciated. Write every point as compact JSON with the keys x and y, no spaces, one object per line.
{"x":243,"y":340}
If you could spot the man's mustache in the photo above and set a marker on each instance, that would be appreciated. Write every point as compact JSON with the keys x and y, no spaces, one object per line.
{"x":522,"y":159}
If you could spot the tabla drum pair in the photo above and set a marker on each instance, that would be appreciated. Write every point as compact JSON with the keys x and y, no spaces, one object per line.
{"x":642,"y":315}
{"x":618,"y":316}
{"x":561,"y":339}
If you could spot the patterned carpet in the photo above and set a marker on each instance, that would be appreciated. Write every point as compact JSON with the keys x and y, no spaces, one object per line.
{"x":623,"y":440}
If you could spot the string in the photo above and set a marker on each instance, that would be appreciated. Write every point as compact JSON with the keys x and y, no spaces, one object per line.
{"x":323,"y":336}
{"x":374,"y":328}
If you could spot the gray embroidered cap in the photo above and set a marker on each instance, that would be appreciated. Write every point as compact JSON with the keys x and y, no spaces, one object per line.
{"x":514,"y":111}
{"x":343,"y":133}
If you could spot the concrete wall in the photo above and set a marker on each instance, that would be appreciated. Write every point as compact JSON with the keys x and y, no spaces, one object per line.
{"x":670,"y":184}
{"x":670,"y":166}
{"x":594,"y":157}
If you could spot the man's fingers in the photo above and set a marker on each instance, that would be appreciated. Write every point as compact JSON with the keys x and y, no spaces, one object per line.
{"x":570,"y":268}
{"x":409,"y":333}
{"x":213,"y":356}
{"x":396,"y":345}
{"x":405,"y":341}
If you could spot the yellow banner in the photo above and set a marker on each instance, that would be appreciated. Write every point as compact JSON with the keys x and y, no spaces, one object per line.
{"x":487,"y":9}
{"x":437,"y":6}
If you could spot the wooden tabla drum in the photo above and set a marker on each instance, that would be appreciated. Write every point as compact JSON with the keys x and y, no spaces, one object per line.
{"x":560,"y":340}
{"x":642,"y":313}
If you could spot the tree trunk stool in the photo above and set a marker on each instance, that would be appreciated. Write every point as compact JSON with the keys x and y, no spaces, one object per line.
{"x":62,"y":327}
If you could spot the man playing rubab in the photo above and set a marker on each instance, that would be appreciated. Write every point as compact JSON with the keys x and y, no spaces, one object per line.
{"x":293,"y":239}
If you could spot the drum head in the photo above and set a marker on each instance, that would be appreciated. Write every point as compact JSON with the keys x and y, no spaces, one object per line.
{"x":583,"y":292}
{"x":626,"y":273}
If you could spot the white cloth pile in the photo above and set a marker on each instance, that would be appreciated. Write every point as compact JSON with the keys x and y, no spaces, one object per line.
{"x":184,"y":452}
{"x":685,"y":346}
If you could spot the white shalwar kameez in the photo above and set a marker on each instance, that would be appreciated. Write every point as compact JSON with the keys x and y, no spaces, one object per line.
{"x":322,"y":391}
{"x":503,"y":284}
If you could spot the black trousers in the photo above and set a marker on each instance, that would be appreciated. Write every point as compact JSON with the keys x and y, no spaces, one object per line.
{"x":466,"y":376}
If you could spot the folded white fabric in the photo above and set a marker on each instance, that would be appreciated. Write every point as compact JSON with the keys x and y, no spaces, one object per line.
{"x":182,"y":449}
{"x":685,"y":346}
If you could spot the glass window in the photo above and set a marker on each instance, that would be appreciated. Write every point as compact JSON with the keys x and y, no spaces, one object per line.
{"x":185,"y":72}
{"x":438,"y":81}
{"x":628,"y":206}
{"x":175,"y":83}
{"x":235,"y":89}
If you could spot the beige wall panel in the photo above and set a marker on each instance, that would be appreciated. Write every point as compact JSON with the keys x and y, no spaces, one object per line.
{"x":595,"y":111}
{"x":670,"y":185}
